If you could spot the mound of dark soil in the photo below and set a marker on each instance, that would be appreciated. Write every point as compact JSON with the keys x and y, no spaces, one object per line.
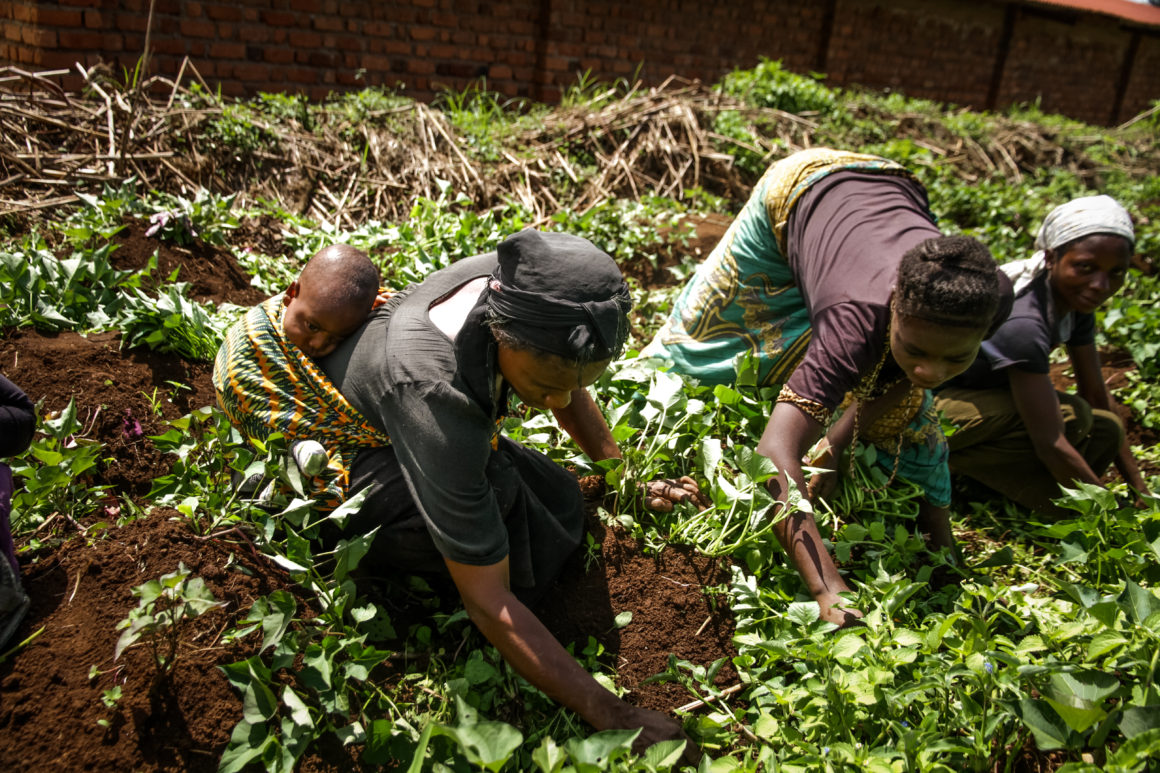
{"x":671,"y":613}
{"x":122,"y":395}
{"x":211,"y":271}
{"x":49,"y":707}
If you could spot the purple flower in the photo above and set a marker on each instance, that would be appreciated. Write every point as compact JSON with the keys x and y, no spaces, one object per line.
{"x":158,"y":220}
{"x":130,"y":427}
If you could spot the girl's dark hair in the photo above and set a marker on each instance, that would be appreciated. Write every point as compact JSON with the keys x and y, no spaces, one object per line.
{"x":952,"y":281}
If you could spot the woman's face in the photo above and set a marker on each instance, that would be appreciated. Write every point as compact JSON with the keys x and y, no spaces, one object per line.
{"x":930,"y":354}
{"x":1090,"y":272}
{"x":545,"y":382}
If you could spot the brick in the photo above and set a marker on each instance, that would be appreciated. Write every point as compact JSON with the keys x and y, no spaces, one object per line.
{"x":423,"y":33}
{"x":249,"y":71}
{"x":371,"y":62}
{"x":130,"y":22}
{"x":174,"y":46}
{"x":234,"y":89}
{"x":254,"y":34}
{"x":305,"y":39}
{"x":41,"y":38}
{"x":301,"y":75}
{"x":279,"y":18}
{"x":278,"y":55}
{"x":223,"y":12}
{"x":420,"y":66}
{"x":328,"y":23}
{"x":51,"y":17}
{"x":324,"y":59}
{"x":223,"y":50}
{"x":197,"y":29}
{"x":78,"y":40}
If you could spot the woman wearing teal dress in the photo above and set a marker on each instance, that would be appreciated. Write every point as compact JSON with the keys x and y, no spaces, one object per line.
{"x":835,"y":282}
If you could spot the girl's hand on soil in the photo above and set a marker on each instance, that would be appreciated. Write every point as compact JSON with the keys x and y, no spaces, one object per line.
{"x":660,"y":495}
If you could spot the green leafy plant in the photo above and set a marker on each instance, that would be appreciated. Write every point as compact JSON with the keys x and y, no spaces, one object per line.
{"x":56,"y":472}
{"x":770,"y":85}
{"x":160,"y":617}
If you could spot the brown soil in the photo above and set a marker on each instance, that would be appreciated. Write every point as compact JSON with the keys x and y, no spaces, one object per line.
{"x":672,"y":614}
{"x":80,"y":587}
{"x":210,"y":270}
{"x":652,"y":270}
{"x":122,"y":395}
{"x":50,"y":708}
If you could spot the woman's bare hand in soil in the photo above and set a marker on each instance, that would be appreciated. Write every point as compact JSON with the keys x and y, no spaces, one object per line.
{"x":660,"y":495}
{"x":656,"y":727}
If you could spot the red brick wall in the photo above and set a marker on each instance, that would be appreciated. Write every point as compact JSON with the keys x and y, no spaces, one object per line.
{"x":1088,"y":66}
{"x":933,"y":50}
{"x":1054,"y":56}
{"x":1142,"y":81}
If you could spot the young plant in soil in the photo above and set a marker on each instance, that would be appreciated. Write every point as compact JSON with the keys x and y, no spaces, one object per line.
{"x":160,"y":617}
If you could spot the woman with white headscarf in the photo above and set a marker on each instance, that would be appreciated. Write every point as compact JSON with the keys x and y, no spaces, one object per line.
{"x":1015,"y":433}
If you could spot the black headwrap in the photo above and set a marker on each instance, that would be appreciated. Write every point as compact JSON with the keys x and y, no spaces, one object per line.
{"x":560,"y":294}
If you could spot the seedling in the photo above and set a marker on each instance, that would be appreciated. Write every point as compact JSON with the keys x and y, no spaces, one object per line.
{"x":165,"y":604}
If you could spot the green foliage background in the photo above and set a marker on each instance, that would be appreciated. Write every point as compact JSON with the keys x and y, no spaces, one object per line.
{"x":1046,"y":649}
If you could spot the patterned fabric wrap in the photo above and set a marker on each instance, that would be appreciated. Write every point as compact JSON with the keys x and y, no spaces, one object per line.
{"x":924,"y":454}
{"x":742,"y":299}
{"x":913,"y":433}
{"x":265,"y":384}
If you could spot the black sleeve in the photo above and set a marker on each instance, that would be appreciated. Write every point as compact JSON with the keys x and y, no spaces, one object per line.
{"x":1021,"y":342}
{"x":443,"y":442}
{"x":17,"y":419}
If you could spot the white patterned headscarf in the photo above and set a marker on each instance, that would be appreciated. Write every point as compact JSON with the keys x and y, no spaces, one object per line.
{"x":1066,"y":223}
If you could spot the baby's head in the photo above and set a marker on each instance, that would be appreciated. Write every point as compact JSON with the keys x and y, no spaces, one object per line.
{"x":330,"y":299}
